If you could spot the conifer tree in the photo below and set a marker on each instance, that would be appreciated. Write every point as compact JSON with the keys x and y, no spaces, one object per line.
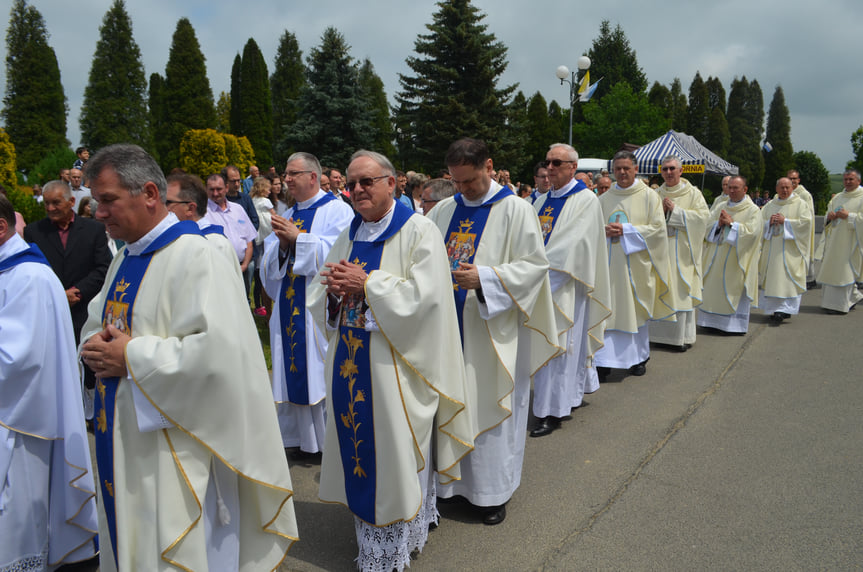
{"x":186,"y":99}
{"x":660,"y":97}
{"x":34,"y":106}
{"x":333,"y":119}
{"x":698,"y":114}
{"x":453,"y":91}
{"x":678,"y":101}
{"x":288,"y":78}
{"x":857,"y":149}
{"x":256,"y":108}
{"x":715,"y":94}
{"x":236,"y":97}
{"x":814,"y":176}
{"x":373,"y":86}
{"x":614,"y":60}
{"x":778,"y":161}
{"x":511,"y":154}
{"x":156,"y":115}
{"x":115,"y":108}
{"x":744,"y":125}
{"x":223,"y":113}
{"x":542,"y":130}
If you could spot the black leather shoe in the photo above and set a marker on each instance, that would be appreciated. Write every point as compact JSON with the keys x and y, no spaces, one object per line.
{"x":603,"y":372}
{"x":638,"y":369}
{"x":545,"y":426}
{"x":492,"y":515}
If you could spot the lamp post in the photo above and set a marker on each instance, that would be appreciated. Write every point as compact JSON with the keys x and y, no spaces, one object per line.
{"x":564,"y":75}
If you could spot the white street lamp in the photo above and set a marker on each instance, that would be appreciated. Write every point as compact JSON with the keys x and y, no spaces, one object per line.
{"x":564,"y":75}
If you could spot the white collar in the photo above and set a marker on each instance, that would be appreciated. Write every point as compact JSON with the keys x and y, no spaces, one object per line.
{"x":137,"y":247}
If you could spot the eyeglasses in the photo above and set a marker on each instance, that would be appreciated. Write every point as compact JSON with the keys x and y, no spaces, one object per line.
{"x":365,"y":182}
{"x":540,"y":176}
{"x":669,"y":169}
{"x":424,"y":201}
{"x":555,"y":162}
{"x":295,"y":174}
{"x":169,"y":202}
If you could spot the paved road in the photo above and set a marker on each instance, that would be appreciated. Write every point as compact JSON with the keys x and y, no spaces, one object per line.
{"x":742,"y":454}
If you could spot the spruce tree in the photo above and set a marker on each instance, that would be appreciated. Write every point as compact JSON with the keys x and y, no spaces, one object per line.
{"x":373,"y":88}
{"x":236,"y":115}
{"x":755,"y":115}
{"x":778,"y":161}
{"x":744,"y":126}
{"x":115,"y":108}
{"x":719,"y":137}
{"x":288,"y":78}
{"x":678,"y":100}
{"x":660,"y":97}
{"x":34,"y":107}
{"x":614,"y":61}
{"x":542,"y":130}
{"x":453,"y":92}
{"x":186,"y":99}
{"x":715,"y":94}
{"x":511,"y":154}
{"x":333,"y":119}
{"x":255,"y":107}
{"x":698,"y":114}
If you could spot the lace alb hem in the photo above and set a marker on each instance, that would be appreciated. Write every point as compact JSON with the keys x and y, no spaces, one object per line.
{"x":29,"y":563}
{"x":387,"y":548}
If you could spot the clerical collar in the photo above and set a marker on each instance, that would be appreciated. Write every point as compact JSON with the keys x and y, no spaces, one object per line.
{"x":617,"y":186}
{"x":493,"y":188}
{"x":14,"y":245}
{"x":734,"y":204}
{"x":555,"y":193}
{"x":369,"y":231}
{"x":203,"y":222}
{"x":307,"y":203}
{"x":137,"y":247}
{"x":676,"y":187}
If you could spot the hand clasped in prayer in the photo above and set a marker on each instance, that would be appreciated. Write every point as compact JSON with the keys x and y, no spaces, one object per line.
{"x":614,"y":229}
{"x":467,"y":276}
{"x":344,"y":278}
{"x":105,"y":353}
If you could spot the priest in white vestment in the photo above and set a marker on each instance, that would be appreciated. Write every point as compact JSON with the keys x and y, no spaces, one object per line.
{"x":730,"y":262}
{"x":786,"y":240}
{"x":801,"y":191}
{"x":191,"y":466}
{"x":47,"y":491}
{"x":573,"y":230}
{"x":686,"y":217}
{"x":396,"y":410}
{"x":842,"y":261}
{"x":639,"y":269}
{"x":293,"y":255}
{"x":506,"y":318}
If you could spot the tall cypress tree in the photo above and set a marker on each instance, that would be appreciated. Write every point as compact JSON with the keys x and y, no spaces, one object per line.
{"x":256,"y":109}
{"x":453,"y":91}
{"x":614,"y":60}
{"x":744,"y":126}
{"x":755,"y":116}
{"x":373,"y":86}
{"x":34,"y":107}
{"x":681,"y":106}
{"x":778,"y":161}
{"x":115,"y":108}
{"x":698,"y":115}
{"x":186,"y":96}
{"x":715,"y":94}
{"x":236,"y":116}
{"x":156,"y":114}
{"x":333,"y":120}
{"x":288,"y":78}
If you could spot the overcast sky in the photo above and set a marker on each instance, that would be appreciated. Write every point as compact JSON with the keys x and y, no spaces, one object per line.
{"x":807,"y":49}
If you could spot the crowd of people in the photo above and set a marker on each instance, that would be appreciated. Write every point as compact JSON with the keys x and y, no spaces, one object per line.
{"x":409,"y":318}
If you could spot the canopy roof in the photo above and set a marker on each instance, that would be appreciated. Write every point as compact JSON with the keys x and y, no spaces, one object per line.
{"x":695,"y":157}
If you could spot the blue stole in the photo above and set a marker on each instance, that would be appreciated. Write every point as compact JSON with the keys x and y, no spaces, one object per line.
{"x":552,"y":208}
{"x":118,"y":311}
{"x":292,"y":311}
{"x":31,"y":254}
{"x":351,"y":392}
{"x":462,"y":240}
{"x":213,"y":229}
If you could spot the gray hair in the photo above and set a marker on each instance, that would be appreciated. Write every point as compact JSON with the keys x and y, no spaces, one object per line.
{"x":57,"y":185}
{"x":671,"y":158}
{"x":133,"y":166}
{"x":382,"y":161}
{"x":573,"y":154}
{"x":440,"y":188}
{"x":625,"y":155}
{"x":850,"y":171}
{"x":310,"y":161}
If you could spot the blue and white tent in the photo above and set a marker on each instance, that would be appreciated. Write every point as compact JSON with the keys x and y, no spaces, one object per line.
{"x":695,"y":157}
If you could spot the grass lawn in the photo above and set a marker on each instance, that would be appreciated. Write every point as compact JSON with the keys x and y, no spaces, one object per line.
{"x":261,"y":322}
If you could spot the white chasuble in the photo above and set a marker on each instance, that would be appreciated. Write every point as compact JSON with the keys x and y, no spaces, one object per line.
{"x":842,"y":262}
{"x":785,"y":248}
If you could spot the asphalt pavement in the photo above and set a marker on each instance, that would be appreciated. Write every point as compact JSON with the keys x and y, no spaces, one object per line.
{"x":743,"y":453}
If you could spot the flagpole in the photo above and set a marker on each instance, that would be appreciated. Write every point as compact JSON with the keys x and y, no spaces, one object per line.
{"x":563,"y":74}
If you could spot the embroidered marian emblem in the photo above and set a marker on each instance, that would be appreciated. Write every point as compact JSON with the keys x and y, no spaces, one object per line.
{"x":461,"y":245}
{"x":116,"y":310}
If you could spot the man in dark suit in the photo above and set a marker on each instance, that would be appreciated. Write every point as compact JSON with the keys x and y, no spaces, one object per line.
{"x":76,"y":247}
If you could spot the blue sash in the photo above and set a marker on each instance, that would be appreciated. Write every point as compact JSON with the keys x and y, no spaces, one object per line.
{"x":292,"y":315}
{"x":351,"y":391}
{"x":213,"y":229}
{"x":552,"y":208}
{"x":31,"y":254}
{"x":462,"y":240}
{"x":118,"y":312}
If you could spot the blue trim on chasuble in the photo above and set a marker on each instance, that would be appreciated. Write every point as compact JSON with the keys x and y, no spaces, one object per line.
{"x":462,"y":240}
{"x":351,"y":392}
{"x":292,"y":314}
{"x":552,"y":208}
{"x":213,"y":229}
{"x":31,"y":254}
{"x":118,"y":312}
